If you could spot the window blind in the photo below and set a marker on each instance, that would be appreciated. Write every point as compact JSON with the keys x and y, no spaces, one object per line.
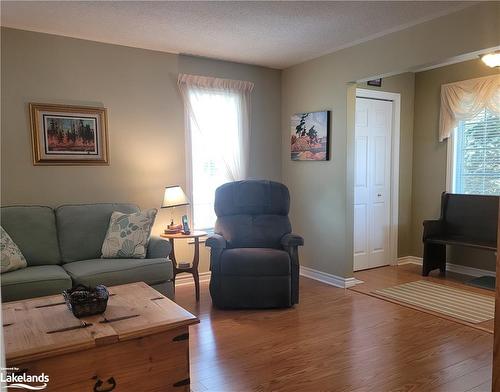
{"x":477,"y":155}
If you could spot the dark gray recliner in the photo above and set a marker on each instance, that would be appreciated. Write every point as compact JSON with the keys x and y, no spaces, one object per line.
{"x":254,"y":257}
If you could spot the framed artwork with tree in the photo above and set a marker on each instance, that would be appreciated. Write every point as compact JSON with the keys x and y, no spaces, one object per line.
{"x":309,"y":139}
{"x":68,"y":135}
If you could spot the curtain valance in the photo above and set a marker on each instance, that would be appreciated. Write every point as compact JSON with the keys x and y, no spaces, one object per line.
{"x":465,"y":99}
{"x":211,"y":83}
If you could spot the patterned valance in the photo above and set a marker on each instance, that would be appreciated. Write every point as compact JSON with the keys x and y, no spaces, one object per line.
{"x":465,"y":99}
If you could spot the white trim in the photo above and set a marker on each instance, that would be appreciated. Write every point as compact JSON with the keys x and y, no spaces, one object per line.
{"x":186,"y":278}
{"x":409,"y":260}
{"x":332,"y":280}
{"x":395,"y":141}
{"x":189,"y":164}
{"x":451,"y":159}
{"x":376,"y":94}
{"x":471,"y":271}
{"x":450,"y":162}
{"x":456,"y":268}
{"x":457,"y":59}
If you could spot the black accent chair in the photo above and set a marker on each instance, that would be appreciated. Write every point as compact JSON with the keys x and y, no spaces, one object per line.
{"x":254,"y":257}
{"x":466,"y":220}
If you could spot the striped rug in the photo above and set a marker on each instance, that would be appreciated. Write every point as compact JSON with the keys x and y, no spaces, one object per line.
{"x":461,"y":304}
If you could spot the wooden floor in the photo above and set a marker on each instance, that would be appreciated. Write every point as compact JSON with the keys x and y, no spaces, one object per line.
{"x":334,"y":340}
{"x":383,"y":277}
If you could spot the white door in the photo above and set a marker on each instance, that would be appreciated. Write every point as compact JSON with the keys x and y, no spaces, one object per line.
{"x":372,"y":183}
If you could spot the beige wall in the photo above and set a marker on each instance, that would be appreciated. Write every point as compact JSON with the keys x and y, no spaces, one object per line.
{"x":403,"y":84}
{"x":146,"y":121}
{"x":429,"y":155}
{"x":322,"y":192}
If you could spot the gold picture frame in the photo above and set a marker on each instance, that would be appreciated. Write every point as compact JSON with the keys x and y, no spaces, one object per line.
{"x":64,"y":135}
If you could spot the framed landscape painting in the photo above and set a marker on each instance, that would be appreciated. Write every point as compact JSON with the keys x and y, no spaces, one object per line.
{"x":68,"y":135}
{"x":309,"y":139}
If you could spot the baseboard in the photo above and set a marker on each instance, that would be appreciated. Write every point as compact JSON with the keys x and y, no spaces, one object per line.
{"x":184,"y":279}
{"x":457,"y":268}
{"x":409,"y":260}
{"x":471,"y":271}
{"x":332,"y":280}
{"x":324,"y":277}
{"x":341,"y":282}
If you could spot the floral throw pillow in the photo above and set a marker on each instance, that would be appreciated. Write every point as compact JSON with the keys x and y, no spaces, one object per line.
{"x":11,"y":257}
{"x":128,"y":235}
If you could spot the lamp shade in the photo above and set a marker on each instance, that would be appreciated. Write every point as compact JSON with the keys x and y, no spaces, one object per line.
{"x":174,"y":196}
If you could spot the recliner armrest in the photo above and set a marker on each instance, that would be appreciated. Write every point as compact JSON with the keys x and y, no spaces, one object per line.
{"x":158,"y":248}
{"x":216,"y":241}
{"x":432,"y":228}
{"x":290,"y":240}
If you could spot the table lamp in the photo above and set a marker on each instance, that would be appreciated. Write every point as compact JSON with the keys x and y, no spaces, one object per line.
{"x":174,"y":197}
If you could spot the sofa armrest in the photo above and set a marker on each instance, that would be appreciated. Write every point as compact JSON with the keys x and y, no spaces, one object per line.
{"x":216,"y":241}
{"x":432,"y":228}
{"x":158,"y":248}
{"x":291,"y":240}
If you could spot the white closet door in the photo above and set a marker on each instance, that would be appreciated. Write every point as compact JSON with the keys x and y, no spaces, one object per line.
{"x":372,"y":184}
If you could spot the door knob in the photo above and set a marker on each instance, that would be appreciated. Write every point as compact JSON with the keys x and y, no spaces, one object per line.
{"x":379,"y":195}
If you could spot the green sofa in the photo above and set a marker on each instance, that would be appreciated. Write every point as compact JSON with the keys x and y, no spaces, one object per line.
{"x":62,"y":247}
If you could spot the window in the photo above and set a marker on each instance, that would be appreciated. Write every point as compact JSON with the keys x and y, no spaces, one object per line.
{"x":217,"y":113}
{"x":213,"y":111}
{"x":476,"y":155}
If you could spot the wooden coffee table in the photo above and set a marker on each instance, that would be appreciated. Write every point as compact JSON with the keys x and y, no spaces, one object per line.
{"x":140,"y":343}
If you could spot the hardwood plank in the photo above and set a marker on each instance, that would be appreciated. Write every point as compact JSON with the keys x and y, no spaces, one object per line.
{"x":485,"y":387}
{"x":335,"y":340}
{"x":468,"y":381}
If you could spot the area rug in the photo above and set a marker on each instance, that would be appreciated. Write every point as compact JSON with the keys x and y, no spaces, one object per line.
{"x":449,"y":301}
{"x":483,"y":282}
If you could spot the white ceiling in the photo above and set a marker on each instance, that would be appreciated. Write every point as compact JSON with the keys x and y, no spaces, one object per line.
{"x":276,"y":34}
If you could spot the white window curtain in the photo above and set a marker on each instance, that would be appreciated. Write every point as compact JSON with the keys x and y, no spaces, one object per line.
{"x":466,"y":99}
{"x":227,"y":132}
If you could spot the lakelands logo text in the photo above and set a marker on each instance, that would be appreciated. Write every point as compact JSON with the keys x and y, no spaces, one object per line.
{"x":29,"y":382}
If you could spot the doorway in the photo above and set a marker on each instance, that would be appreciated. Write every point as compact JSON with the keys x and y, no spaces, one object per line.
{"x":376,"y":178}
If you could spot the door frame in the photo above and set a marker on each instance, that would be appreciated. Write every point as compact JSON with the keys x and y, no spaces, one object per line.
{"x":395,"y":98}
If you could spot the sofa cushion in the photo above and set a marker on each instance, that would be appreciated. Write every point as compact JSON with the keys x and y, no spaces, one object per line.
{"x":82,"y":228}
{"x":33,"y":229}
{"x":254,"y":262}
{"x":111,"y":272}
{"x":11,"y":257}
{"x":128,"y":235}
{"x":35,"y":281}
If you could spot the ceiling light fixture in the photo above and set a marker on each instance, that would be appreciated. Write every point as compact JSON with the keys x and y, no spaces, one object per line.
{"x":491,"y":59}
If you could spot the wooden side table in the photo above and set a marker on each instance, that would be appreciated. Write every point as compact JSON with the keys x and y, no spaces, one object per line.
{"x":193,"y":268}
